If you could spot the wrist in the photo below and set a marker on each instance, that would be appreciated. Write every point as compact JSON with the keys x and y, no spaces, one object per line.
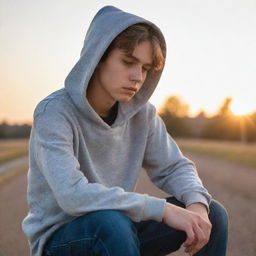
{"x":166,"y":210}
{"x":198,"y":208}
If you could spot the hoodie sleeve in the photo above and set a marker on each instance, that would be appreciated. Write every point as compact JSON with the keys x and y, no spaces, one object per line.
{"x":169,"y":169}
{"x":53,"y":149}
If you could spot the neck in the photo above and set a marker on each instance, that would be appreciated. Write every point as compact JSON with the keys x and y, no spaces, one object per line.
{"x":101,"y":105}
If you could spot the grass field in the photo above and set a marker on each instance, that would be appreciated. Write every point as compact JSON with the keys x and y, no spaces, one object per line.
{"x":12,"y":148}
{"x":232,"y":151}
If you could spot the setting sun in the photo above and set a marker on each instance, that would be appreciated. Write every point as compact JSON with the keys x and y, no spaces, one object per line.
{"x":242,"y":108}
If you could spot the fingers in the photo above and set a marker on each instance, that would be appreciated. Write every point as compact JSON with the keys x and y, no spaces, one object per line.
{"x":199,"y":242}
{"x":195,"y":224}
{"x":193,"y":241}
{"x":189,"y":249}
{"x":197,"y":238}
{"x":190,"y":238}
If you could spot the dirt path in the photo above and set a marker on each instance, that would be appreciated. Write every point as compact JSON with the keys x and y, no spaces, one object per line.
{"x":13,"y":210}
{"x":16,"y":163}
{"x":231,"y":184}
{"x":235,"y":187}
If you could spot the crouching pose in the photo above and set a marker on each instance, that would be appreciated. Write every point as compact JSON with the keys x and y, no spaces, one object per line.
{"x":88,"y":144}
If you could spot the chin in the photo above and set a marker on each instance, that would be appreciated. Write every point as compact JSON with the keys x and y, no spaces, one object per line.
{"x":124,"y":100}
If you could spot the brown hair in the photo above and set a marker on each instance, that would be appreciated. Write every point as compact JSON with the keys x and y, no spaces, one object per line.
{"x":132,"y":36}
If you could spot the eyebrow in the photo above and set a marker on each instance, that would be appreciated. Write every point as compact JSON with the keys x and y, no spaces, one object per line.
{"x":149,"y":65}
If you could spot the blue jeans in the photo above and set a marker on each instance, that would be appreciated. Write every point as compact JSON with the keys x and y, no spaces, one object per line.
{"x":112,"y":233}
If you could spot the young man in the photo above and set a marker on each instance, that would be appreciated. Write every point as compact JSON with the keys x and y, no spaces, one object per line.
{"x":88,"y":144}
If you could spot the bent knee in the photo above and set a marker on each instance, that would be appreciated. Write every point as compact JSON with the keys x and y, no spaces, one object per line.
{"x":110,"y":217}
{"x":108,"y":222}
{"x":218,"y":214}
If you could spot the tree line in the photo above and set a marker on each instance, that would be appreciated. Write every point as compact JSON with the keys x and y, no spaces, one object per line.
{"x":14,"y":131}
{"x":224,"y":125}
{"x":175,"y":113}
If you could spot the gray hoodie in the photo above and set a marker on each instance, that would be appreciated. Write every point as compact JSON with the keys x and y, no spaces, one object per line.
{"x":79,"y":164}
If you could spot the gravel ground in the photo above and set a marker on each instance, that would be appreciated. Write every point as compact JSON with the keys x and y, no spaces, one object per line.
{"x":235,"y":187}
{"x":231,"y":184}
{"x":13,"y":209}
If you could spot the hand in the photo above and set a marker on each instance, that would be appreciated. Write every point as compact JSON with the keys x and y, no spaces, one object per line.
{"x":202,"y":211}
{"x":193,"y":221}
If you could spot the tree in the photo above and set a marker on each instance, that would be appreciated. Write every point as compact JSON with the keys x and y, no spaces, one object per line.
{"x":224,"y":109}
{"x":14,"y":131}
{"x":250,"y":126}
{"x":173,"y":112}
{"x":223,"y":125}
{"x":175,"y":106}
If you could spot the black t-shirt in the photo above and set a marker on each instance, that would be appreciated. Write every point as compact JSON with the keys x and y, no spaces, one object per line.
{"x":110,"y":119}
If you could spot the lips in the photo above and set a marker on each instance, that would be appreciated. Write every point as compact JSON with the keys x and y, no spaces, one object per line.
{"x":130,"y":89}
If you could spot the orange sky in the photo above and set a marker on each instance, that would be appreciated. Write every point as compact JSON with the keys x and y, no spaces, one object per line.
{"x":211,"y":50}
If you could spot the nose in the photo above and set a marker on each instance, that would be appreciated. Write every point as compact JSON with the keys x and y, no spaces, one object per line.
{"x":136,"y":75}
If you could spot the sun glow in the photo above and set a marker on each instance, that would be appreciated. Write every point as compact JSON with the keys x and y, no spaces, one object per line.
{"x":242,"y":108}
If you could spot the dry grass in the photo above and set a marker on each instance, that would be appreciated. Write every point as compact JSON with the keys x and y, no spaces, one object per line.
{"x":232,"y":151}
{"x":13,"y":173}
{"x":12,"y":148}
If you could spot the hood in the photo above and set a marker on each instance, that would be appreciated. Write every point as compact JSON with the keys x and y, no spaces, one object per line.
{"x":105,"y":26}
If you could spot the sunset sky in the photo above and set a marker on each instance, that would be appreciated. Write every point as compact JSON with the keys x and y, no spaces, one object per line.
{"x":211,"y":50}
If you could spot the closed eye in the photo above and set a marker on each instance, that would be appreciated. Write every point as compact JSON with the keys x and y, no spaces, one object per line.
{"x":128,"y":62}
{"x":146,"y":69}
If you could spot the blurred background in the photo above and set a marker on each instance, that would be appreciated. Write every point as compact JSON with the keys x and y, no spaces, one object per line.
{"x":206,"y":96}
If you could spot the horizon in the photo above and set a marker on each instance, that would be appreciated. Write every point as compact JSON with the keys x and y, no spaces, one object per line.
{"x":239,"y":113}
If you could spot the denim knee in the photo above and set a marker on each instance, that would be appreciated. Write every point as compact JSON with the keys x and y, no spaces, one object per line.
{"x":116,"y":231}
{"x":97,"y":233}
{"x":218,"y":216}
{"x":111,"y":222}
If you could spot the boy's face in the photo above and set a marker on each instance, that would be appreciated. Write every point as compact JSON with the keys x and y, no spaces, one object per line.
{"x":121,"y":75}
